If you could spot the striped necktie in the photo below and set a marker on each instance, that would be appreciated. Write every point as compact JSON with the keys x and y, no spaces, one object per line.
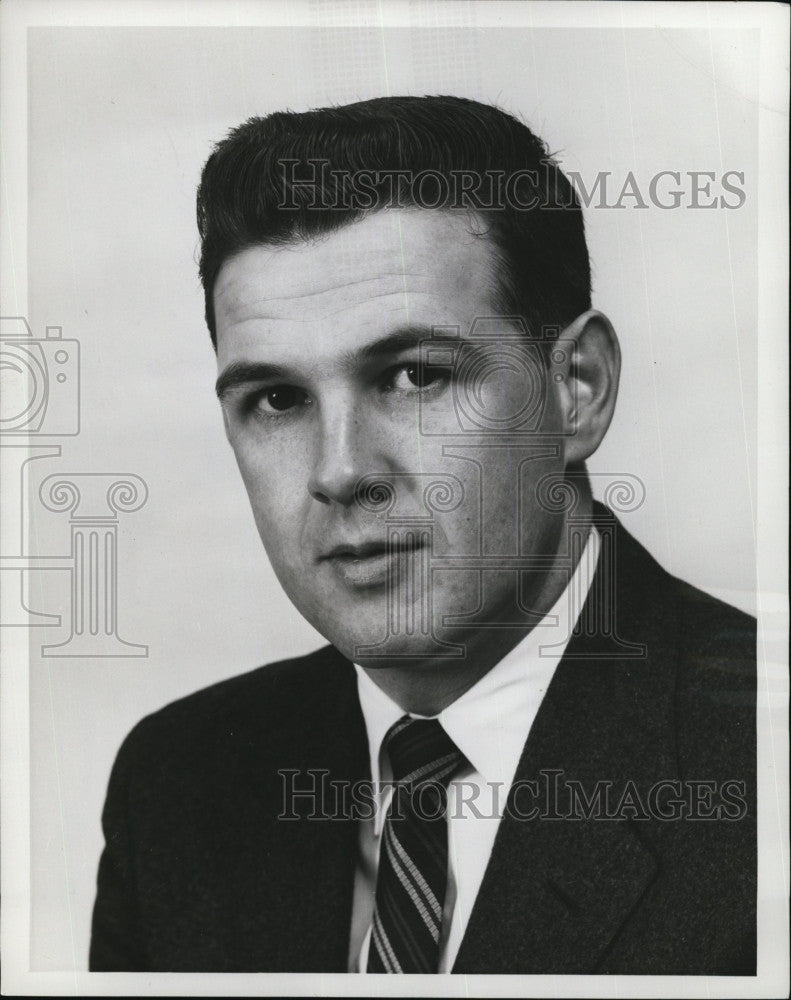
{"x":413,"y":857}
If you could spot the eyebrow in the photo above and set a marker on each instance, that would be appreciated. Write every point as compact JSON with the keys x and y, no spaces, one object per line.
{"x":243,"y":372}
{"x":240,"y":373}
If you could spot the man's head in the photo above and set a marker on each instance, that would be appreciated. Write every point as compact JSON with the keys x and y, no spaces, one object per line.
{"x":290,"y":177}
{"x":399,"y":473}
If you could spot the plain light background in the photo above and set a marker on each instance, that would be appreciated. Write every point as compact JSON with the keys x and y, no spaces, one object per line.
{"x":120,"y":123}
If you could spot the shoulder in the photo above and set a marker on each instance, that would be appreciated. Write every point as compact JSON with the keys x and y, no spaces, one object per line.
{"x":711,"y":625}
{"x":716,"y":642}
{"x":717,"y":663}
{"x":251,"y":710}
{"x":705,"y":648}
{"x":715,"y":687}
{"x":703,"y":624}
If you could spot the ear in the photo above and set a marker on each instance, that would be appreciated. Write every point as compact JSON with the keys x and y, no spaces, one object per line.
{"x":590,"y":387}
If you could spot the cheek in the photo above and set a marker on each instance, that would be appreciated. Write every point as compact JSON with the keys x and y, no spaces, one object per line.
{"x":275,"y":487}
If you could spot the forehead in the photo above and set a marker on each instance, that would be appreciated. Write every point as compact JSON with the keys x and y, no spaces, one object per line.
{"x":388,"y":269}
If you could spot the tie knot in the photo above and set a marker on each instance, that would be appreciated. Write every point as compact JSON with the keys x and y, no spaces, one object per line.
{"x":421,"y":751}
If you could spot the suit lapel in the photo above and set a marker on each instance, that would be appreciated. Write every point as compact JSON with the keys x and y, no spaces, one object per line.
{"x":556,"y":891}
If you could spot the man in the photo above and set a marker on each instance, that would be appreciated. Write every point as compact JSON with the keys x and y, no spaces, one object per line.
{"x":528,"y":748}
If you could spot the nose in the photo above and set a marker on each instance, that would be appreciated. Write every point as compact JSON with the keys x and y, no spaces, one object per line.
{"x":341,"y":458}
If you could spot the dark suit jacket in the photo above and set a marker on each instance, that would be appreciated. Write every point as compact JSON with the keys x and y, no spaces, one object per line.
{"x":199,"y":874}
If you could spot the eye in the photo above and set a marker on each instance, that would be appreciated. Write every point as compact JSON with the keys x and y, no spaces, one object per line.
{"x":279,"y":398}
{"x":411,"y":376}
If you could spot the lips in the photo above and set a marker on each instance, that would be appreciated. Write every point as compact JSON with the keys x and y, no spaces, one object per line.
{"x":362,"y":551}
{"x":368,"y":564}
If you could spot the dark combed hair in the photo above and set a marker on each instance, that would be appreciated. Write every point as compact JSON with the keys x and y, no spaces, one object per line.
{"x":252,"y":191}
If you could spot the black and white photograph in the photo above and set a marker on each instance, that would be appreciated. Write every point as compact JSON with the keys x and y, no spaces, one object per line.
{"x":394,"y":489}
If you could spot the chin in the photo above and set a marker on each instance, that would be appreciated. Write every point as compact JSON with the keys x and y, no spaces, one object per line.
{"x":371,"y":630}
{"x":373,"y":648}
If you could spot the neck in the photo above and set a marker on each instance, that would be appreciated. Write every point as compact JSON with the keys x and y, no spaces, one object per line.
{"x":425,"y":686}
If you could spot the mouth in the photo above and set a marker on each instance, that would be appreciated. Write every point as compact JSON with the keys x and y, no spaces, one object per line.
{"x":370,"y":564}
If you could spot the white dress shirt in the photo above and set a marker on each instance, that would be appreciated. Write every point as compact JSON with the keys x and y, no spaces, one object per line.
{"x":490,"y":724}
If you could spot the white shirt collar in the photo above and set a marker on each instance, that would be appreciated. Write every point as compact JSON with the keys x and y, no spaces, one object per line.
{"x":490,"y":722}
